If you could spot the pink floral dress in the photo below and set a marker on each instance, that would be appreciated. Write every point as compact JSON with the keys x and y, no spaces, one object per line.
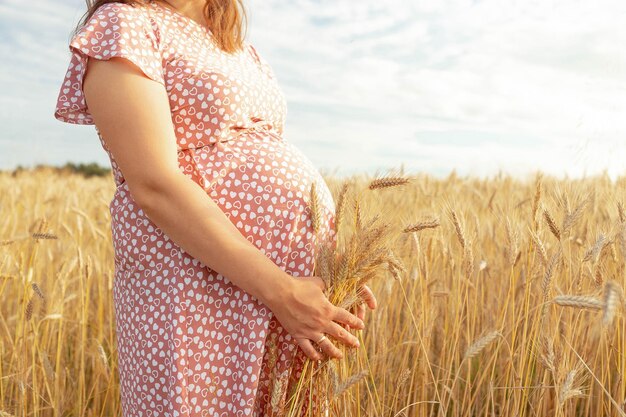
{"x":189,"y":341}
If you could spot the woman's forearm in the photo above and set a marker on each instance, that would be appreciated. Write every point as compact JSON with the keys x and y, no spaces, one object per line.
{"x":190,"y":217}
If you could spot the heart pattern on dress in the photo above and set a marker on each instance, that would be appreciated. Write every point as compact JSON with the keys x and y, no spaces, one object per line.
{"x":189,"y":341}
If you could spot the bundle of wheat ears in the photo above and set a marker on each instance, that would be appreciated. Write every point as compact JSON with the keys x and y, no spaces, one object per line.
{"x":360,"y":254}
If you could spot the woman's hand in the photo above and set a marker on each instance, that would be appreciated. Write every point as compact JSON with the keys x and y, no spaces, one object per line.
{"x":305,"y":312}
{"x":368,"y":298}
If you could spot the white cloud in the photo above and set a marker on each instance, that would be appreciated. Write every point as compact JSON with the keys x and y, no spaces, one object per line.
{"x":449,"y":84}
{"x":549,"y":71}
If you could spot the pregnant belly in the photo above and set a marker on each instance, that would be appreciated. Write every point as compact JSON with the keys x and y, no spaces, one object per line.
{"x":262,"y":183}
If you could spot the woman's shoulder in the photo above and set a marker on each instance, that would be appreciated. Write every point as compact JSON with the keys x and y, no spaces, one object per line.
{"x":136,"y":21}
{"x":119,"y":24}
{"x":114,"y":29}
{"x":117,"y":16}
{"x":113,"y":10}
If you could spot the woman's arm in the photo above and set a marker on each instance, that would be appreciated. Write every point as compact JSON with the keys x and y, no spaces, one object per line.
{"x":193,"y":220}
{"x":133,"y":116}
{"x":134,"y":120}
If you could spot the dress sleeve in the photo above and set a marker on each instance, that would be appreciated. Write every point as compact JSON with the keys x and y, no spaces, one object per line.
{"x":114,"y":30}
{"x":262,"y":63}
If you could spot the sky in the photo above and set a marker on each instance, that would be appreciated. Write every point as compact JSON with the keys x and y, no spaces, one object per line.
{"x":478,"y":87}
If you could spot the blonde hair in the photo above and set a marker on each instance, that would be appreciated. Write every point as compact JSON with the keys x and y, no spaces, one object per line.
{"x":226,"y":20}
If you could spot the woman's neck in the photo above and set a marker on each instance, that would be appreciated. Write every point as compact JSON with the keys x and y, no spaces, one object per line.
{"x":192,"y":9}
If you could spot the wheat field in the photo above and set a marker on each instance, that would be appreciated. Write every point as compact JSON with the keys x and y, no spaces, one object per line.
{"x":499,"y":297}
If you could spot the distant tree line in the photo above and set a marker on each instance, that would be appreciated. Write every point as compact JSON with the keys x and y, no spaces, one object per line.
{"x":91,"y":169}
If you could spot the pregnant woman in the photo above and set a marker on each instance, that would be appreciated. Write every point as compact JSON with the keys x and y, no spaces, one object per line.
{"x":211,"y":222}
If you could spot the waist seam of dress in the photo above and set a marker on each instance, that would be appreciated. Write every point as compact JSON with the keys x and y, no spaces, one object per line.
{"x":258,"y":128}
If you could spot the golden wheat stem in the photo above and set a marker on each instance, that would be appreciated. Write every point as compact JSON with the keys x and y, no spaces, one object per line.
{"x":387,"y":182}
{"x":578,"y":301}
{"x":476,"y":347}
{"x":425,"y":224}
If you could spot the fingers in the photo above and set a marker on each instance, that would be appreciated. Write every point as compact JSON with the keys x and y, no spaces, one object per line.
{"x":344,"y":316}
{"x":368,"y":296}
{"x":329,"y":348}
{"x":309,"y":350}
{"x":341,"y":334}
{"x":360,"y":311}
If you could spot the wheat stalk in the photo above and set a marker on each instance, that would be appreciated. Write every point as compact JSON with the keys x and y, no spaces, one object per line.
{"x":425,"y":224}
{"x":334,"y":377}
{"x":48,"y":368}
{"x":567,"y":388}
{"x":541,"y":249}
{"x":324,"y":265}
{"x":551,"y":224}
{"x":548,"y":357}
{"x":395,"y":265}
{"x":476,"y":347}
{"x":277,"y":399}
{"x":611,"y":301}
{"x":348,"y":382}
{"x":387,"y":182}
{"x":29,"y":308}
{"x":571,"y":218}
{"x":512,"y":240}
{"x":350,"y":301}
{"x":547,"y":279}
{"x":621,"y":236}
{"x":594,"y":251}
{"x":340,"y":206}
{"x":403,"y":377}
{"x":458,"y":227}
{"x":38,"y":290}
{"x":343,"y":265}
{"x":40,"y":295}
{"x":468,"y":261}
{"x":357,"y":214}
{"x":103,"y":356}
{"x":579,"y":301}
{"x":314,"y":200}
{"x":41,"y":235}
